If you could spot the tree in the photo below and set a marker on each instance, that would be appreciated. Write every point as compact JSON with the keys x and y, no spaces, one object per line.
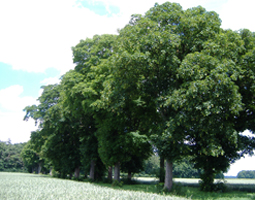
{"x":31,"y":159}
{"x":139,"y":151}
{"x":246,"y":174}
{"x":185,"y":168}
{"x":10,"y":158}
{"x":171,"y":78}
{"x":54,"y":140}
{"x":211,"y":101}
{"x":112,"y":131}
{"x":187,"y":71}
{"x":145,"y":72}
{"x":82,"y":87}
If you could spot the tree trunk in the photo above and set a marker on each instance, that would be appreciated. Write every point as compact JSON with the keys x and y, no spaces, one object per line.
{"x":110,"y":173}
{"x":207,"y":180}
{"x":117,"y":171}
{"x":39,"y":167}
{"x":77,"y":172}
{"x":35,"y":170}
{"x":162,"y":169}
{"x":51,"y":171}
{"x":169,"y":175}
{"x":92,"y":170}
{"x":129,"y":176}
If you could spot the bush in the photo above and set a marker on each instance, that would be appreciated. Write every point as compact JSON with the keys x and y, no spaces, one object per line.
{"x":220,"y":187}
{"x":106,"y":180}
{"x":159,"y":188}
{"x":116,"y":183}
{"x":125,"y":180}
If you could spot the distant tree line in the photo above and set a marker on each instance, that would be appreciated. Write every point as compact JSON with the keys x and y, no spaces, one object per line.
{"x":172,"y":82}
{"x":246,"y":174}
{"x":10,"y":158}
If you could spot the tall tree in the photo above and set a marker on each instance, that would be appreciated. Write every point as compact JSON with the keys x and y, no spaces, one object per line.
{"x":145,"y":73}
{"x":55,"y":139}
{"x":82,"y":87}
{"x":184,"y":69}
{"x":32,"y":161}
{"x":209,"y":104}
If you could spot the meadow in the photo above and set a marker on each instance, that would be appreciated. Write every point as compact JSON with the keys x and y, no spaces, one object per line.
{"x":30,"y":186}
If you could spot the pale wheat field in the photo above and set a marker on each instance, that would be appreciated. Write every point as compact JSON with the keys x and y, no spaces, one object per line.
{"x":18,"y":186}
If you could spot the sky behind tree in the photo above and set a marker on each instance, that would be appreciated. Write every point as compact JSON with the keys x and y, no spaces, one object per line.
{"x":37,"y":36}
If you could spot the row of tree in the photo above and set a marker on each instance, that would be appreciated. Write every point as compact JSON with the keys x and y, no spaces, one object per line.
{"x":22,"y":157}
{"x":171,"y":82}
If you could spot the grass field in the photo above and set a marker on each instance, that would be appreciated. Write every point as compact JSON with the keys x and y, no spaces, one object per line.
{"x":28,"y":186}
{"x":17,"y":186}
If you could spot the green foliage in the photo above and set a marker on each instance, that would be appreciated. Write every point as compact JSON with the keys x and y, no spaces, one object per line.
{"x":246,"y":174}
{"x":117,"y":183}
{"x":30,"y":157}
{"x":151,"y":165}
{"x":185,"y":168}
{"x":10,"y":157}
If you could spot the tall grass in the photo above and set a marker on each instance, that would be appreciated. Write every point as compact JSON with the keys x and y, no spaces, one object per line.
{"x":18,"y":186}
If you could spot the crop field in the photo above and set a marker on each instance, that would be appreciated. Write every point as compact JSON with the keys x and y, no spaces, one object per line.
{"x":18,"y":186}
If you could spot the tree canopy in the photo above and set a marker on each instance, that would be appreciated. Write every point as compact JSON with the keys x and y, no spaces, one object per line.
{"x":171,"y":79}
{"x":246,"y":174}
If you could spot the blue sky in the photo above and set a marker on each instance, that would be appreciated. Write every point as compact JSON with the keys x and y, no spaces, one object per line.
{"x":36,"y":39}
{"x":10,"y":77}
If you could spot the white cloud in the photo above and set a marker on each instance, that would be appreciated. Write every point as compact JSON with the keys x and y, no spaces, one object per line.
{"x":11,"y":101}
{"x":51,"y":80}
{"x":13,"y":127}
{"x":39,"y":35}
{"x":11,"y":115}
{"x":236,"y":14}
{"x":36,"y":35}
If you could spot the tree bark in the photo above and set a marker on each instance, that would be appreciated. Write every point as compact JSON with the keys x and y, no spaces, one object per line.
{"x":51,"y":171}
{"x":162,"y":171}
{"x":117,"y":171}
{"x":35,"y":170}
{"x":129,"y":176}
{"x":110,"y":173}
{"x":92,"y":170}
{"x":39,"y":167}
{"x":169,"y":175}
{"x":77,"y":172}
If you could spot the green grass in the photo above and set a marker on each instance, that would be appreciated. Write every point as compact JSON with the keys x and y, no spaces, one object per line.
{"x":238,"y":189}
{"x":191,"y":192}
{"x":18,"y":186}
